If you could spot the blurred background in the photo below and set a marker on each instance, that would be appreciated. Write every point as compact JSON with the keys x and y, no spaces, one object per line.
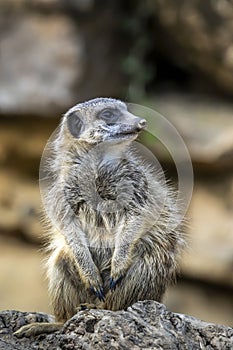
{"x":175,"y":56}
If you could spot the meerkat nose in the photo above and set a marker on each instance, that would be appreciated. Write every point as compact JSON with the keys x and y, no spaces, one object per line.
{"x":142,"y":123}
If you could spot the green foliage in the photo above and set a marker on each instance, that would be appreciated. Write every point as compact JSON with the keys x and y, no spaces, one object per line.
{"x":134,"y":65}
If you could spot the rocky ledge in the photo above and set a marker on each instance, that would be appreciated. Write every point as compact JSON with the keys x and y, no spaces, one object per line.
{"x":145,"y":325}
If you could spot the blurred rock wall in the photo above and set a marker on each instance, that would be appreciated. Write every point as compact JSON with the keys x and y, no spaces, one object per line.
{"x":54,"y":53}
{"x":198,"y":36}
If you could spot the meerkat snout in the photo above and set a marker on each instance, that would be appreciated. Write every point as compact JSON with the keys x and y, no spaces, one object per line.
{"x":142,"y":123}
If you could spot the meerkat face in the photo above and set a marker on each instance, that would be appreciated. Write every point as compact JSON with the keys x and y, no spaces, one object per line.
{"x":103,"y":120}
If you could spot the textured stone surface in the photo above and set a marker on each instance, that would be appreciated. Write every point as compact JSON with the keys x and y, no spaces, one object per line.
{"x":12,"y":320}
{"x":145,"y":325}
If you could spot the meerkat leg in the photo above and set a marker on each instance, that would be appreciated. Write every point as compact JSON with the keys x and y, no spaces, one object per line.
{"x":145,"y":279}
{"x":122,"y":256}
{"x":131,"y":289}
{"x":88,"y":271}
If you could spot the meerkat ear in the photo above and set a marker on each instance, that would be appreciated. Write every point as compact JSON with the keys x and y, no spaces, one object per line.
{"x":75,"y":124}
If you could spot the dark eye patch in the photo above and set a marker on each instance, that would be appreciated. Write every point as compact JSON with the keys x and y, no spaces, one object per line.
{"x":110,"y":115}
{"x":75,"y":124}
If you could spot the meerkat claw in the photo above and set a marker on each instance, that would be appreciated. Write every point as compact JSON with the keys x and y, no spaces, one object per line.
{"x":113,"y":283}
{"x":99,"y":292}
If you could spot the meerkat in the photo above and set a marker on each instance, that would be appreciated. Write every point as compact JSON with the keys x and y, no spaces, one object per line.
{"x":114,"y":232}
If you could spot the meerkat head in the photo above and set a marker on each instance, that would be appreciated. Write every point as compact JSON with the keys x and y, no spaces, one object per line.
{"x":102,"y":120}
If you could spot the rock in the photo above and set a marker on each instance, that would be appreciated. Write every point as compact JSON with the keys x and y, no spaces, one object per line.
{"x":10,"y":321}
{"x":197,"y":36}
{"x":21,"y":147}
{"x":145,"y":325}
{"x":40,"y":62}
{"x":55,"y":54}
{"x":49,"y":5}
{"x":206,"y":125}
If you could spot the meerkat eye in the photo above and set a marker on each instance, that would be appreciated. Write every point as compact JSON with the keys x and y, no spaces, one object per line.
{"x":109,"y":114}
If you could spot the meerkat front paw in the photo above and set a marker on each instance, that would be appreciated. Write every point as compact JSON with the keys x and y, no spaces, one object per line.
{"x":118,"y":272}
{"x":114,"y":282}
{"x":98,"y":291}
{"x":91,"y":278}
